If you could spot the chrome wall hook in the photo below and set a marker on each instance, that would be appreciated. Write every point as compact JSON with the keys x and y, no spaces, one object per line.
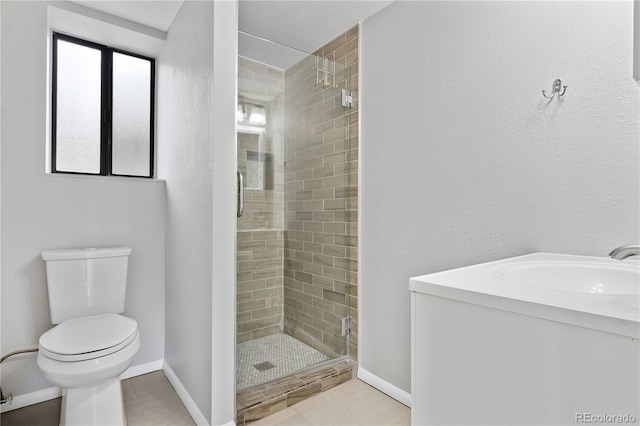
{"x":557,"y":85}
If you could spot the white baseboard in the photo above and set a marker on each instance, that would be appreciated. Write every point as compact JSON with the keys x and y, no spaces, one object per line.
{"x":191,"y":406}
{"x":394,"y":392}
{"x":20,"y":401}
{"x":140,"y":369}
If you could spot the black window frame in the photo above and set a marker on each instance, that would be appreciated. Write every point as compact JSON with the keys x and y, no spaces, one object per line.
{"x":106,"y":102}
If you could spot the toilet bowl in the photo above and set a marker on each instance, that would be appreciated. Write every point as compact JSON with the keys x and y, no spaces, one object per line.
{"x":85,"y":357}
{"x":92,"y":344}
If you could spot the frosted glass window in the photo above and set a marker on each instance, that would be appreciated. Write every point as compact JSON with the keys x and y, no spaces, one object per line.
{"x":131,"y":120}
{"x":78,"y":108}
{"x":102,"y":110}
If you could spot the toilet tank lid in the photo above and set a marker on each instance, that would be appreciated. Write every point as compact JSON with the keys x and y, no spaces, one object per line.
{"x":87,"y":253}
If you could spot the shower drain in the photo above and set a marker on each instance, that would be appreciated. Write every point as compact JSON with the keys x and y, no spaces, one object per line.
{"x":263,"y":366}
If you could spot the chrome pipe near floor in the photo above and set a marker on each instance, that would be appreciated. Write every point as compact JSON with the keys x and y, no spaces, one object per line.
{"x":9,"y":398}
{"x":4,"y":399}
{"x":21,"y":351}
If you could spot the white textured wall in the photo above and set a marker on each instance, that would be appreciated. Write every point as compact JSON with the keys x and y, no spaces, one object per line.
{"x":185,"y":76}
{"x":196,"y":153}
{"x":223,"y":308}
{"x":43,"y":212}
{"x":464,"y":161}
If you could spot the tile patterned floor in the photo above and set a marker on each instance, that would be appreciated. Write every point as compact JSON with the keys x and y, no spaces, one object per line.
{"x":149,"y":400}
{"x":286,"y":353}
{"x":352,"y":403}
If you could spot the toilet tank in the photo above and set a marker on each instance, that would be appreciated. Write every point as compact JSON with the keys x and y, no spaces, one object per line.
{"x":86,"y":282}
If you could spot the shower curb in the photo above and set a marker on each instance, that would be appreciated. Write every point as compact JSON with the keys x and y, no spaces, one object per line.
{"x":257,"y":402}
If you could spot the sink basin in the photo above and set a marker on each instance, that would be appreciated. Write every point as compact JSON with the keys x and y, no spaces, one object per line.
{"x":598,"y":293}
{"x":582,"y":277}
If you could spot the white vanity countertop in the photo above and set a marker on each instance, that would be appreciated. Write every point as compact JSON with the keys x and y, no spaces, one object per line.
{"x":602,"y":295}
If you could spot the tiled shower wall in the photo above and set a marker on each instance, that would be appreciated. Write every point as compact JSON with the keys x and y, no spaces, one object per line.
{"x":321,"y":201}
{"x":260,"y":229}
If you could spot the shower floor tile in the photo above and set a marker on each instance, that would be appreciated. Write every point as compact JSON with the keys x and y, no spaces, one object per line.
{"x":286,"y":353}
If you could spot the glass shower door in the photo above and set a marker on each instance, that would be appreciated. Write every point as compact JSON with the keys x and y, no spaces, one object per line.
{"x":296,"y":245}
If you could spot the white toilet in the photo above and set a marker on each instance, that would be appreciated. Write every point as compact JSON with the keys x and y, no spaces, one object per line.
{"x":91,"y":345}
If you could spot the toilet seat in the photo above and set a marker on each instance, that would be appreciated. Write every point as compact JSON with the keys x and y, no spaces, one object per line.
{"x":85,"y":338}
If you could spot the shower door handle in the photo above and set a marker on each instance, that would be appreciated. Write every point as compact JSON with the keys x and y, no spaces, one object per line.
{"x":240,"y":194}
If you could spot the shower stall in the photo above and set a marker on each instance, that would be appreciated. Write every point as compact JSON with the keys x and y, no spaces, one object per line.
{"x":296,"y":253}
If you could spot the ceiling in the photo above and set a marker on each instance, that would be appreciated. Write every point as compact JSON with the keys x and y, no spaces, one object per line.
{"x":152,"y":13}
{"x":267,"y":52}
{"x":304,"y":25}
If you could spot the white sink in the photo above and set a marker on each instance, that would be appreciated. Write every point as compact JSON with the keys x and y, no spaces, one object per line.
{"x":587,"y":291}
{"x":583,"y":277}
{"x":484,"y":335}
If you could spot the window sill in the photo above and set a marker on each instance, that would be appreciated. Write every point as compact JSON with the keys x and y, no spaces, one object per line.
{"x":107,"y":178}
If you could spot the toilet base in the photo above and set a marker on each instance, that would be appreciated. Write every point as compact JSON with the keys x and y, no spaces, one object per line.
{"x":93,"y":406}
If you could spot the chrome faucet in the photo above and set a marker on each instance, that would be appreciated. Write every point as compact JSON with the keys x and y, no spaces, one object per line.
{"x":623,"y":252}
